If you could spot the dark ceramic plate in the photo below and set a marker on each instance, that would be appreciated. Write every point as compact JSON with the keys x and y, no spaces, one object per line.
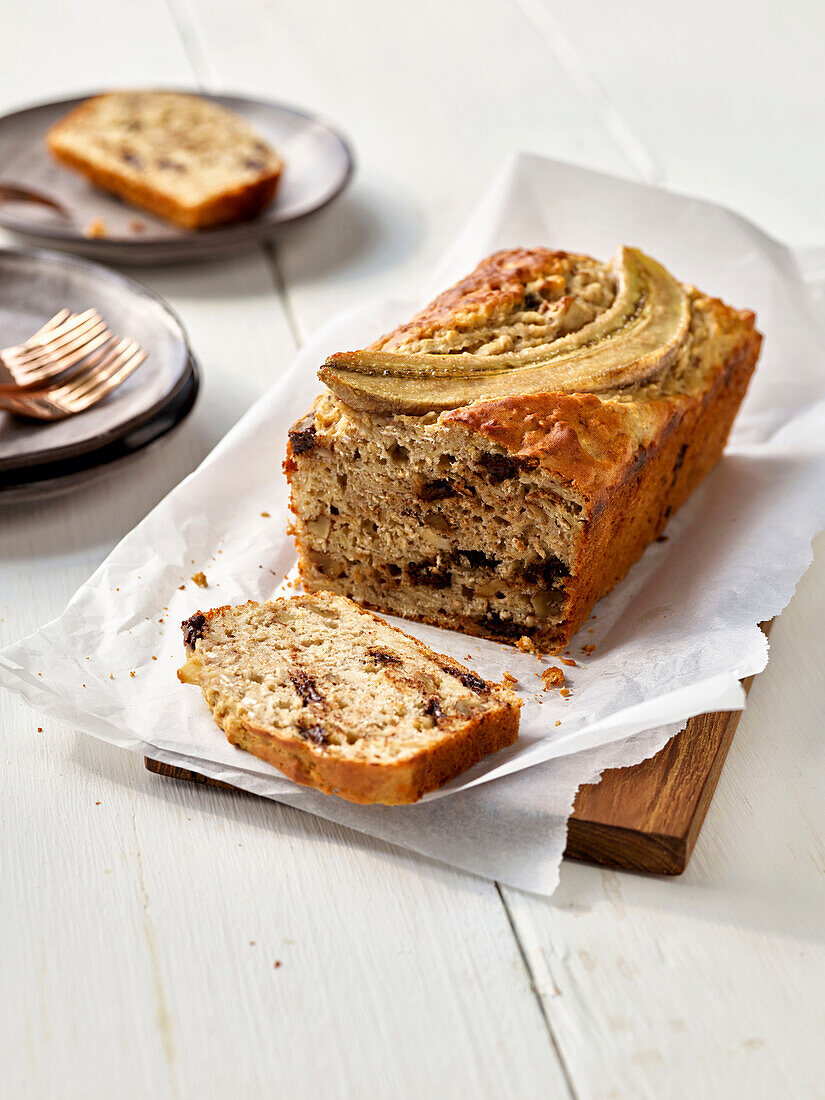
{"x":34,"y":285}
{"x":55,"y":478}
{"x":318,"y":164}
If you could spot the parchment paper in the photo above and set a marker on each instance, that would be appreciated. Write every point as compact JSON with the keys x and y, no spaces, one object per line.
{"x":673,"y":640}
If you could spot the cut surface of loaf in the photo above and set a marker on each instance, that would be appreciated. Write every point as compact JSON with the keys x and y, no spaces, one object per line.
{"x":509,"y":516}
{"x":183,"y":157}
{"x":339,"y":700}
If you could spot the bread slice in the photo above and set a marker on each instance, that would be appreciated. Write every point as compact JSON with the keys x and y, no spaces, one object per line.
{"x":180,"y":156}
{"x":339,"y":700}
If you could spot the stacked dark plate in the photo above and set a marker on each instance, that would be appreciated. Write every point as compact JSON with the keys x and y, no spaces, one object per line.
{"x":40,"y":459}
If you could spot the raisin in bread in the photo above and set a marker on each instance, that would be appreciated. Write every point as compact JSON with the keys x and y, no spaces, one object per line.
{"x":498,"y":463}
{"x":339,"y":700}
{"x":186,"y":158}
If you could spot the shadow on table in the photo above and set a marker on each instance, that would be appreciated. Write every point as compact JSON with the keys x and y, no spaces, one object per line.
{"x":367,"y":231}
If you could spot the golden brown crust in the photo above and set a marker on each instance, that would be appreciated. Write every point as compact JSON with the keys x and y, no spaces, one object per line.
{"x":494,"y":286}
{"x":688,"y":445}
{"x":399,"y":783}
{"x":239,"y":204}
{"x":579,"y":439}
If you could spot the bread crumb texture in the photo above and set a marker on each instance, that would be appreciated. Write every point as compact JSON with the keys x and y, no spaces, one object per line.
{"x":339,"y":700}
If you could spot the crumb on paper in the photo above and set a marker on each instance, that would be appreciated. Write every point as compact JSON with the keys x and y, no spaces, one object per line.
{"x":200,"y":579}
{"x":137,"y":226}
{"x":132,"y":673}
{"x":96,"y":228}
{"x":663,"y":538}
{"x":588,"y":649}
{"x":39,"y":729}
{"x":592,"y":630}
{"x":552,"y":677}
{"x":568,"y":661}
{"x":508,"y":679}
{"x":564,"y":692}
{"x":526,"y":645}
{"x":154,"y":658}
{"x":265,"y":515}
{"x":97,"y":803}
{"x":111,"y":675}
{"x":557,"y":722}
{"x":181,"y":587}
{"x":277,"y":963}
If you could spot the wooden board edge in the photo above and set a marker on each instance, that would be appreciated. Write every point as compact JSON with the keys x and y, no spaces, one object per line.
{"x":651,"y":850}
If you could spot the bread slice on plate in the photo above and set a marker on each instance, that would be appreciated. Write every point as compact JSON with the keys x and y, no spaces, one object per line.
{"x":337,"y":699}
{"x":183,"y":157}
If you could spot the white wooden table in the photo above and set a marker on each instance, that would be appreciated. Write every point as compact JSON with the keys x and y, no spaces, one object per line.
{"x":143,"y":922}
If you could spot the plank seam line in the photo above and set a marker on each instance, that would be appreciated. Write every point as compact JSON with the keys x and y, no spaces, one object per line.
{"x":186,"y":24}
{"x":163,"y":1017}
{"x":271,"y":257}
{"x":187,"y":27}
{"x":554,"y":1043}
{"x":629,"y":144}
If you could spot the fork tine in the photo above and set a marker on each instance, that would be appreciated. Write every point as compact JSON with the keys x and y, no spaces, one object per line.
{"x":53,"y":323}
{"x":99,"y":365}
{"x":30,"y":358}
{"x":62,"y":323}
{"x":100,"y":343}
{"x":68,"y":321}
{"x":50,"y":368}
{"x":124,"y":365}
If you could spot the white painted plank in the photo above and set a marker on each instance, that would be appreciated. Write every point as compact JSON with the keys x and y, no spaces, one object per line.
{"x":711,"y":984}
{"x":725,"y":99}
{"x":433,"y":97}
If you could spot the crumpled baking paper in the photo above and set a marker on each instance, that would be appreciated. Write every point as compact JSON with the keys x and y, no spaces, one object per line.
{"x":673,"y":640}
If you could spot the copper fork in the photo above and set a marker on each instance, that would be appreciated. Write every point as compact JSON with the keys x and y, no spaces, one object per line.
{"x":62,"y":343}
{"x":108,"y":368}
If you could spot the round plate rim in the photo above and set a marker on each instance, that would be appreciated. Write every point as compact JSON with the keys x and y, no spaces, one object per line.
{"x":200,"y":241}
{"x":75,"y":450}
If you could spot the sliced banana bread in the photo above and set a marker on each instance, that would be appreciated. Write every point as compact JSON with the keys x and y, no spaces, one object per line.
{"x":339,"y":700}
{"x":498,"y":463}
{"x":181,"y":156}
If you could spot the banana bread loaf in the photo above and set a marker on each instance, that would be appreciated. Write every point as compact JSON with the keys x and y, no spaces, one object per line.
{"x":339,"y":700}
{"x":181,"y":156}
{"x":498,"y":463}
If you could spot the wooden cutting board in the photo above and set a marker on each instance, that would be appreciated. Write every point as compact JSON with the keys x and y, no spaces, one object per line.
{"x":645,"y":818}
